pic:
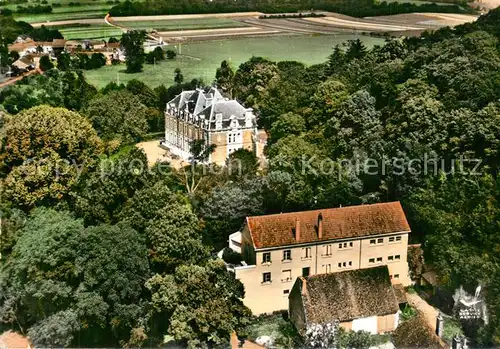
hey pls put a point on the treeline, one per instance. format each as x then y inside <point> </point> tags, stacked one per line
<point>355,8</point>
<point>36,9</point>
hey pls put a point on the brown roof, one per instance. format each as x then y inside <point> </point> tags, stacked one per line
<point>13,340</point>
<point>338,223</point>
<point>348,295</point>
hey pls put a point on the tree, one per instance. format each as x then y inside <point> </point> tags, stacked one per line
<point>287,124</point>
<point>64,61</point>
<point>159,53</point>
<point>112,40</point>
<point>46,63</point>
<point>150,57</point>
<point>132,42</point>
<point>174,237</point>
<point>118,114</point>
<point>251,78</point>
<point>147,96</point>
<point>97,60</point>
<point>178,77</point>
<point>171,54</point>
<point>224,78</point>
<point>43,151</point>
<point>69,285</point>
<point>102,192</point>
<point>202,304</point>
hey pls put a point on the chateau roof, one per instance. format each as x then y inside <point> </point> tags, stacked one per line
<point>338,223</point>
<point>206,105</point>
<point>348,295</point>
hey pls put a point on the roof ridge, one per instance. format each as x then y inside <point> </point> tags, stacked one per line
<point>327,209</point>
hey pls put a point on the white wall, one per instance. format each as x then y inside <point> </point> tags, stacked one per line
<point>368,324</point>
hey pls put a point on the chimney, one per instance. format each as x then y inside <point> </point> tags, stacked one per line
<point>439,325</point>
<point>297,230</point>
<point>304,286</point>
<point>320,226</point>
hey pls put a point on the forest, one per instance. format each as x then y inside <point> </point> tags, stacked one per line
<point>98,249</point>
<point>357,8</point>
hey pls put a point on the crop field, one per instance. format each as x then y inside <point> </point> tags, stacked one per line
<point>89,31</point>
<point>86,9</point>
<point>181,24</point>
<point>201,59</point>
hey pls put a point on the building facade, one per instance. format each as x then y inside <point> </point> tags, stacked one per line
<point>277,249</point>
<point>206,114</point>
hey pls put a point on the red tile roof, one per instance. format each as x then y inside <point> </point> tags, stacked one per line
<point>338,223</point>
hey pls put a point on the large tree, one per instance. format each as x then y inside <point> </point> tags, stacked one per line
<point>202,304</point>
<point>132,42</point>
<point>44,150</point>
<point>118,114</point>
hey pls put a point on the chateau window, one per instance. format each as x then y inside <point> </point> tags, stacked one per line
<point>379,259</point>
<point>397,257</point>
<point>287,255</point>
<point>390,258</point>
<point>371,260</point>
<point>266,278</point>
<point>373,242</point>
<point>266,257</point>
<point>286,275</point>
<point>286,292</point>
<point>391,239</point>
<point>380,241</point>
<point>398,238</point>
<point>306,271</point>
<point>396,276</point>
<point>327,268</point>
<point>306,252</point>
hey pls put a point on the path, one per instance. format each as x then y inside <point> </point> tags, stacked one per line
<point>428,311</point>
<point>17,78</point>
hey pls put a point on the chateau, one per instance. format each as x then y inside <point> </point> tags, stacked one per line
<point>278,249</point>
<point>206,114</point>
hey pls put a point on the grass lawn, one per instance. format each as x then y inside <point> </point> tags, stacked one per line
<point>179,24</point>
<point>201,59</point>
<point>93,31</point>
<point>61,16</point>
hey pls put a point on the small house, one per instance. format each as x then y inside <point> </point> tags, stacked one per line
<point>361,299</point>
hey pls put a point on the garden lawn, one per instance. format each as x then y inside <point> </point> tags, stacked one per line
<point>201,59</point>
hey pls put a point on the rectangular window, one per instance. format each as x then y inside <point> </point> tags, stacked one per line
<point>391,239</point>
<point>339,265</point>
<point>397,257</point>
<point>306,271</point>
<point>372,242</point>
<point>371,260</point>
<point>396,276</point>
<point>350,263</point>
<point>379,259</point>
<point>306,252</point>
<point>340,245</point>
<point>266,277</point>
<point>286,292</point>
<point>398,238</point>
<point>390,258</point>
<point>380,241</point>
<point>286,275</point>
<point>266,257</point>
<point>327,268</point>
<point>287,255</point>
<point>350,244</point>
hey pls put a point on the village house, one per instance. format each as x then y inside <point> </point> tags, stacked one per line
<point>277,249</point>
<point>206,114</point>
<point>361,299</point>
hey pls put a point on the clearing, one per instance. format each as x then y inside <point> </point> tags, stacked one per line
<point>201,59</point>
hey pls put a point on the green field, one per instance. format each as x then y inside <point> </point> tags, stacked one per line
<point>201,59</point>
<point>93,31</point>
<point>86,9</point>
<point>183,24</point>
